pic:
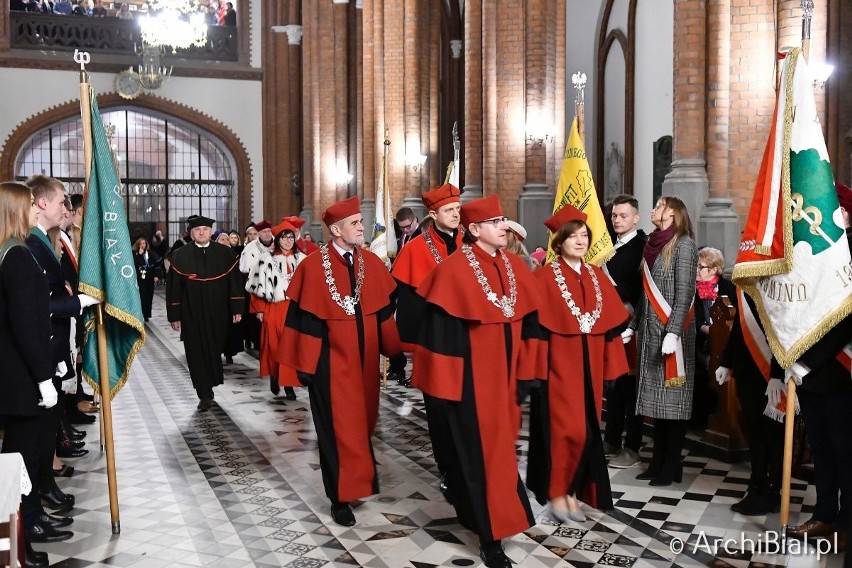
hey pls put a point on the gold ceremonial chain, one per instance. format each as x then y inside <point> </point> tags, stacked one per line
<point>348,303</point>
<point>506,304</point>
<point>586,320</point>
<point>431,246</point>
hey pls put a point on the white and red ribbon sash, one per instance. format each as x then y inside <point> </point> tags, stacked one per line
<point>844,356</point>
<point>69,250</point>
<point>674,362</point>
<point>758,348</point>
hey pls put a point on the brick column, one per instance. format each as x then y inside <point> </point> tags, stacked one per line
<point>688,178</point>
<point>328,103</point>
<point>473,97</point>
<point>717,223</point>
<point>544,55</point>
<point>282,106</point>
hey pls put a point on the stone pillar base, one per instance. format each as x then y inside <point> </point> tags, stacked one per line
<point>719,227</point>
<point>416,205</point>
<point>688,181</point>
<point>368,211</point>
<point>534,206</point>
<point>470,193</point>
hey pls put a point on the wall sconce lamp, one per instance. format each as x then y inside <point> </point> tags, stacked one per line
<point>415,161</point>
<point>821,73</point>
<point>539,133</point>
<point>342,175</point>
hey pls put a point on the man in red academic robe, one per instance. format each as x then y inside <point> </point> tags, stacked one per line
<point>419,257</point>
<point>474,356</point>
<point>340,317</point>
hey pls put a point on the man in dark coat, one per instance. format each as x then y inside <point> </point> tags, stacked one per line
<point>475,357</point>
<point>825,396</point>
<point>340,318</point>
<point>49,196</point>
<point>204,296</point>
<point>621,393</point>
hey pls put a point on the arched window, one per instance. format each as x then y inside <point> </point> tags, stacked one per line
<point>169,169</point>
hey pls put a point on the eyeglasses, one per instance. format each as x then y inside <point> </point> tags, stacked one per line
<point>406,227</point>
<point>703,267</point>
<point>495,222</point>
<point>289,237</point>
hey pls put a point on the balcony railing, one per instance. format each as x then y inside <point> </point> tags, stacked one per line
<point>109,36</point>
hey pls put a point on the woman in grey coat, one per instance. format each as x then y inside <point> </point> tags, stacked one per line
<point>665,324</point>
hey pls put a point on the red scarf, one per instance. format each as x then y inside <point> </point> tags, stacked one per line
<point>708,289</point>
<point>656,241</point>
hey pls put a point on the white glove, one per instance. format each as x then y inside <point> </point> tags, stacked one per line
<point>627,335</point>
<point>798,371</point>
<point>86,301</point>
<point>669,343</point>
<point>61,369</point>
<point>49,396</point>
<point>69,386</point>
<point>723,375</point>
<point>774,390</point>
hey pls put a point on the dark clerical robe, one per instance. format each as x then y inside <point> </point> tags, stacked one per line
<point>204,290</point>
<point>566,454</point>
<point>410,268</point>
<point>471,356</point>
<point>341,353</point>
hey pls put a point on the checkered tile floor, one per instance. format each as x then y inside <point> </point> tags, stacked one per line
<point>240,486</point>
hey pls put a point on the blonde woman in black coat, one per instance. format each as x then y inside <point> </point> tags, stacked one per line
<point>25,330</point>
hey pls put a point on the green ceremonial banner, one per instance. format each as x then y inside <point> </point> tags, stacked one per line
<point>107,270</point>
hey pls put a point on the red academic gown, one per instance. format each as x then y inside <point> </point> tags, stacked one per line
<point>566,453</point>
<point>414,263</point>
<point>341,353</point>
<point>472,356</point>
<point>272,327</point>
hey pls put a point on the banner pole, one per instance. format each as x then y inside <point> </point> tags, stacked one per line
<point>790,417</point>
<point>106,410</point>
<point>787,470</point>
<point>103,366</point>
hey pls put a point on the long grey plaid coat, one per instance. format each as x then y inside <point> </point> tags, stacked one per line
<point>677,286</point>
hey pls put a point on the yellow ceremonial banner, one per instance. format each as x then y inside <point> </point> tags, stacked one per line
<point>577,188</point>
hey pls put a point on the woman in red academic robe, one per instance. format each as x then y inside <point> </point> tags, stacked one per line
<point>268,286</point>
<point>581,323</point>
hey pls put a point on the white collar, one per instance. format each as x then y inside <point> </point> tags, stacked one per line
<point>574,265</point>
<point>624,239</point>
<point>42,229</point>
<point>204,246</point>
<point>342,251</point>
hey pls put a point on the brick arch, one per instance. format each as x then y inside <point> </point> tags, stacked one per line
<point>71,109</point>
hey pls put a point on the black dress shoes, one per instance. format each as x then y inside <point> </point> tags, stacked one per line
<point>77,417</point>
<point>54,521</point>
<point>273,385</point>
<point>56,499</point>
<point>68,452</point>
<point>43,533</point>
<point>206,403</point>
<point>289,393</point>
<point>494,556</point>
<point>399,377</point>
<point>64,471</point>
<point>342,514</point>
<point>34,557</point>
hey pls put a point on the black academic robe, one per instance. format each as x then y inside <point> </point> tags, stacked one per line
<point>470,357</point>
<point>204,292</point>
